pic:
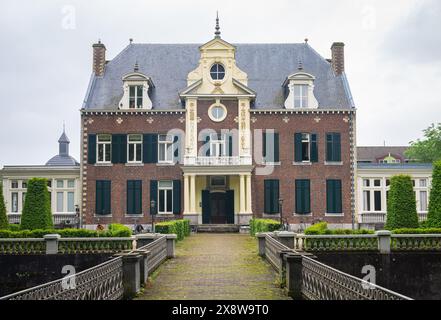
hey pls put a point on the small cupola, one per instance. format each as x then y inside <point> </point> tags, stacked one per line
<point>62,158</point>
<point>137,88</point>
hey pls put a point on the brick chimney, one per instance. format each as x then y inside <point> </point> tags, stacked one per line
<point>99,58</point>
<point>338,57</point>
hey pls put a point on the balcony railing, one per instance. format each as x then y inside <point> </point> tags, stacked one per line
<point>380,217</point>
<point>58,218</point>
<point>217,161</point>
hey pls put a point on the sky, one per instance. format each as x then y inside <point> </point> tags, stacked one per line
<point>393,57</point>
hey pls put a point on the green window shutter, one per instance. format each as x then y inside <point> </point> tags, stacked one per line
<point>130,195</point>
<point>103,196</point>
<point>338,196</point>
<point>298,147</point>
<point>99,197</point>
<point>329,147</point>
<point>176,196</point>
<point>230,144</point>
<point>337,147</point>
<point>276,157</point>
<point>267,196</point>
<point>150,148</point>
<point>264,146</point>
<point>138,197</point>
<point>329,196</point>
<point>134,197</point>
<point>314,148</point>
<point>303,198</point>
<point>91,149</point>
<point>119,148</point>
<point>275,197</point>
<point>154,196</point>
<point>333,196</point>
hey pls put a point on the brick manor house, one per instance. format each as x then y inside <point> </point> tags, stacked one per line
<point>218,133</point>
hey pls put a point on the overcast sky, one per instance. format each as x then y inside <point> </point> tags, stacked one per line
<point>393,57</point>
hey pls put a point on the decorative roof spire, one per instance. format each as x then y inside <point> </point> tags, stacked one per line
<point>63,143</point>
<point>217,32</point>
<point>136,67</point>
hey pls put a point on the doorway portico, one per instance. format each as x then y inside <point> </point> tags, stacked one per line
<point>217,195</point>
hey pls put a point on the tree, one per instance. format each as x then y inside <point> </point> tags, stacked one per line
<point>4,224</point>
<point>401,204</point>
<point>429,149</point>
<point>37,208</point>
<point>434,217</point>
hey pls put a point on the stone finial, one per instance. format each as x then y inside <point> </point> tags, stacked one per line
<point>217,33</point>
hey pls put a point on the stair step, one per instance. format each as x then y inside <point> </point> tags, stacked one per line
<point>218,228</point>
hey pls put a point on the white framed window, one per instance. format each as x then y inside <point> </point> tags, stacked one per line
<point>135,97</point>
<point>165,197</point>
<point>134,148</point>
<point>14,184</point>
<point>165,148</point>
<point>104,145</point>
<point>71,183</point>
<point>60,201</point>
<point>60,184</point>
<point>217,112</point>
<point>14,202</point>
<point>70,202</point>
<point>306,147</point>
<point>217,71</point>
<point>64,195</point>
<point>218,145</point>
<point>301,96</point>
<point>373,195</point>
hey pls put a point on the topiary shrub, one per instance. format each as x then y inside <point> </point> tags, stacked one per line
<point>37,208</point>
<point>434,216</point>
<point>4,223</point>
<point>401,204</point>
<point>179,227</point>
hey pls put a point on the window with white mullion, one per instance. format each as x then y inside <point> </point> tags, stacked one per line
<point>104,145</point>
<point>135,97</point>
<point>306,147</point>
<point>217,145</point>
<point>134,148</point>
<point>165,197</point>
<point>301,96</point>
<point>373,195</point>
<point>165,148</point>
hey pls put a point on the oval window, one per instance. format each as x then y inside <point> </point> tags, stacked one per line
<point>217,113</point>
<point>217,71</point>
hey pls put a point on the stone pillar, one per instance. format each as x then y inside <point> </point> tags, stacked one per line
<point>143,266</point>
<point>242,195</point>
<point>131,274</point>
<point>171,241</point>
<point>249,193</point>
<point>286,238</point>
<point>52,243</point>
<point>384,241</point>
<point>186,195</point>
<point>193,194</point>
<point>261,239</point>
<point>294,275</point>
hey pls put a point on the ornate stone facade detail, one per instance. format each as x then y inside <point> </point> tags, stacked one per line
<point>253,119</point>
<point>346,119</point>
<point>181,119</point>
<point>119,120</point>
<point>317,119</point>
<point>150,120</point>
<point>285,119</point>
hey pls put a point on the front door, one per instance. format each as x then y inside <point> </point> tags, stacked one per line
<point>217,207</point>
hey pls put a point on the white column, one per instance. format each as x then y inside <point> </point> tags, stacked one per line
<point>193,194</point>
<point>186,195</point>
<point>248,182</point>
<point>242,195</point>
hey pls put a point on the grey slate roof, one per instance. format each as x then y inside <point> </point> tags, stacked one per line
<point>374,153</point>
<point>267,66</point>
<point>59,160</point>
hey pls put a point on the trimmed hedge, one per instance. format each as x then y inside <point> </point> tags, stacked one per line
<point>322,229</point>
<point>434,216</point>
<point>4,223</point>
<point>179,227</point>
<point>37,208</point>
<point>263,225</point>
<point>401,204</point>
<point>114,231</point>
<point>417,231</point>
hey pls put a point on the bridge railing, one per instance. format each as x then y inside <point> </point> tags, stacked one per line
<point>306,278</point>
<point>119,278</point>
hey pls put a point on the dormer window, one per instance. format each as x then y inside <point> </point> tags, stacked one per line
<point>135,97</point>
<point>301,96</point>
<point>300,88</point>
<point>137,88</point>
<point>217,72</point>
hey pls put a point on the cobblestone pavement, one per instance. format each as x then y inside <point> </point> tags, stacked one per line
<point>215,267</point>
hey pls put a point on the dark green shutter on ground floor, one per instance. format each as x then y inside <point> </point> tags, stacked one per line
<point>134,197</point>
<point>153,196</point>
<point>334,196</point>
<point>303,197</point>
<point>176,196</point>
<point>271,196</point>
<point>103,196</point>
